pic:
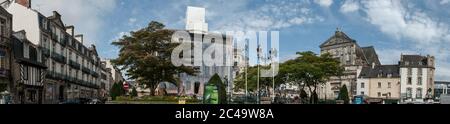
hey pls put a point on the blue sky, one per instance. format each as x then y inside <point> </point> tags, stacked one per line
<point>393,27</point>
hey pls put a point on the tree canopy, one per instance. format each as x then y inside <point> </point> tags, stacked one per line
<point>308,71</point>
<point>145,55</point>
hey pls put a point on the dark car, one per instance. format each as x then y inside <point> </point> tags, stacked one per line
<point>72,101</point>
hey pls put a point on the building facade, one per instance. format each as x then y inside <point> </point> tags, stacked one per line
<point>29,71</point>
<point>72,68</point>
<point>417,78</point>
<point>352,58</point>
<point>116,74</point>
<point>382,81</point>
<point>106,81</point>
<point>197,28</point>
<point>5,50</point>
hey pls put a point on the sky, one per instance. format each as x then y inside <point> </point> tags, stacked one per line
<point>393,27</point>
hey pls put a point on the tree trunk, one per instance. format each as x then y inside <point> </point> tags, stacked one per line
<point>311,95</point>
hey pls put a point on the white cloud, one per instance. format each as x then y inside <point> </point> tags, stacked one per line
<point>395,20</point>
<point>132,21</point>
<point>85,15</point>
<point>349,6</point>
<point>444,2</point>
<point>272,16</point>
<point>324,3</point>
<point>414,28</point>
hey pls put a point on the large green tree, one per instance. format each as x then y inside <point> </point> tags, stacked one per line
<point>308,71</point>
<point>252,78</point>
<point>145,55</point>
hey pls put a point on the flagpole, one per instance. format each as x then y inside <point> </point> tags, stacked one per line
<point>257,78</point>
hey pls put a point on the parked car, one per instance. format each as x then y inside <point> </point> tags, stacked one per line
<point>72,101</point>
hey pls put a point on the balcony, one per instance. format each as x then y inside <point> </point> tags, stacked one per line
<point>74,65</point>
<point>58,57</point>
<point>56,76</point>
<point>86,70</point>
<point>94,74</point>
<point>64,41</point>
<point>45,52</point>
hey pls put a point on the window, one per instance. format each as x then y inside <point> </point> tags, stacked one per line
<point>409,81</point>
<point>38,75</point>
<point>3,29</point>
<point>379,94</point>
<point>419,81</point>
<point>70,72</point>
<point>389,94</point>
<point>70,55</point>
<point>419,93</point>
<point>3,58</point>
<point>62,69</point>
<point>54,66</point>
<point>379,84</point>
<point>419,71</point>
<point>25,72</point>
<point>408,92</point>
<point>54,46</point>
<point>409,71</point>
<point>62,50</point>
<point>362,93</point>
<point>362,85</point>
<point>389,84</point>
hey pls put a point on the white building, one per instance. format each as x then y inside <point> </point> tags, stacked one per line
<point>73,68</point>
<point>195,20</point>
<point>417,78</point>
<point>196,26</point>
<point>116,74</point>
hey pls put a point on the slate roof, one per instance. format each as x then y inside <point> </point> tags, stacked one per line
<point>380,71</point>
<point>370,55</point>
<point>414,61</point>
<point>338,38</point>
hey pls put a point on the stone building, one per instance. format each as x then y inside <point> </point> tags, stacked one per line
<point>352,57</point>
<point>72,67</point>
<point>5,50</point>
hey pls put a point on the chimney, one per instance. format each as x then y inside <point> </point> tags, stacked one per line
<point>79,37</point>
<point>26,3</point>
<point>70,30</point>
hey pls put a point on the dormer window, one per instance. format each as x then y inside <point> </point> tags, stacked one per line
<point>389,75</point>
<point>407,63</point>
